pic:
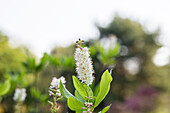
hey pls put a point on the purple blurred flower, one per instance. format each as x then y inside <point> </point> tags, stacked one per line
<point>142,101</point>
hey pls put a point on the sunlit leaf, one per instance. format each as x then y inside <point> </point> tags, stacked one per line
<point>104,87</point>
<point>105,109</point>
<point>74,104</point>
<point>65,93</point>
<point>79,87</point>
<point>79,96</point>
<point>4,88</point>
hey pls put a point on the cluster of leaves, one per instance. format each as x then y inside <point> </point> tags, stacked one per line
<point>10,58</point>
<point>36,68</point>
<point>108,57</point>
<point>105,57</point>
<point>30,64</point>
<point>76,103</point>
<point>11,82</point>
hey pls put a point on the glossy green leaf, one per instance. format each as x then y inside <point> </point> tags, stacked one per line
<point>79,87</point>
<point>74,104</point>
<point>4,88</point>
<point>105,109</point>
<point>104,87</point>
<point>88,89</point>
<point>96,90</point>
<point>64,92</point>
<point>77,95</point>
<point>79,111</point>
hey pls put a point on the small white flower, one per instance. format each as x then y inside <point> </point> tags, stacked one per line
<point>84,65</point>
<point>55,85</point>
<point>55,82</point>
<point>50,93</point>
<point>58,92</point>
<point>19,95</point>
<point>63,80</point>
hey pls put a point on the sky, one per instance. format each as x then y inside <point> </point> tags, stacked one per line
<point>43,24</point>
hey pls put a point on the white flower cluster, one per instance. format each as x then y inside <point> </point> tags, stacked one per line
<point>84,65</point>
<point>55,85</point>
<point>19,95</point>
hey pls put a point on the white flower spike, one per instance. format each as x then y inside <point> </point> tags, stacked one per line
<point>84,65</point>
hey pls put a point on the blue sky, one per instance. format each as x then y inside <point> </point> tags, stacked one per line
<point>44,24</point>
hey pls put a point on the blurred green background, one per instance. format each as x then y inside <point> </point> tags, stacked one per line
<point>139,86</point>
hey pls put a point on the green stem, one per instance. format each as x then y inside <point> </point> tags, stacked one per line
<point>88,92</point>
<point>18,107</point>
<point>36,88</point>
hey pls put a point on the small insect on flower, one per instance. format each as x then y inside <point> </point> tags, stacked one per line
<point>84,65</point>
<point>55,85</point>
<point>19,95</point>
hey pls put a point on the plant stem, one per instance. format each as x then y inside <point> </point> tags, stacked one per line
<point>88,93</point>
<point>18,107</point>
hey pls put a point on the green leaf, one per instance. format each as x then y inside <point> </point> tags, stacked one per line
<point>115,51</point>
<point>92,50</point>
<point>96,90</point>
<point>105,109</point>
<point>104,87</point>
<point>79,96</point>
<point>74,104</point>
<point>43,61</point>
<point>69,62</point>
<point>79,111</point>
<point>64,92</point>
<point>35,93</point>
<point>79,87</point>
<point>5,87</point>
<point>88,89</point>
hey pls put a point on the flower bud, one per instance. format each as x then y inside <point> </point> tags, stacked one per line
<point>77,46</point>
